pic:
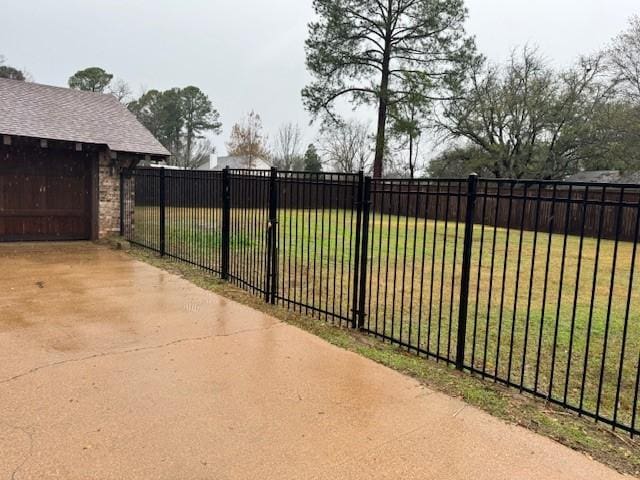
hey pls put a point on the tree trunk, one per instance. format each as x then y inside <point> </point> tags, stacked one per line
<point>378,162</point>
<point>411,164</point>
<point>189,146</point>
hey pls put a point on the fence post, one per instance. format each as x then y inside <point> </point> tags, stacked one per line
<point>271,289</point>
<point>226,222</point>
<point>122,199</point>
<point>472,191</point>
<point>356,265</point>
<point>362,296</point>
<point>162,213</point>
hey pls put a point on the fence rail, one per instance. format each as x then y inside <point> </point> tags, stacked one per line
<point>530,284</point>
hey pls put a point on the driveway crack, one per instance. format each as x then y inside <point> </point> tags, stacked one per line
<point>134,350</point>
<point>375,447</point>
<point>29,452</point>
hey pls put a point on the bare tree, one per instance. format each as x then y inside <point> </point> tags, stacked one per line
<point>624,59</point>
<point>121,90</point>
<point>248,141</point>
<point>288,147</point>
<point>201,152</point>
<point>622,117</point>
<point>529,120</point>
<point>347,146</point>
<point>406,159</point>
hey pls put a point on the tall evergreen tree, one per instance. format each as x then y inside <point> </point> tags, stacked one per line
<point>92,79</point>
<point>178,118</point>
<point>199,116</point>
<point>286,154</point>
<point>312,161</point>
<point>382,51</point>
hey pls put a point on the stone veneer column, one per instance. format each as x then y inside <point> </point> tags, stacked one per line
<point>108,198</point>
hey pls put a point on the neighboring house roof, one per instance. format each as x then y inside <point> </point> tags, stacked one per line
<point>604,176</point>
<point>233,162</point>
<point>55,113</point>
<point>162,165</point>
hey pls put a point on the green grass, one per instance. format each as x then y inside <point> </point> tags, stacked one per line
<point>596,441</point>
<point>413,292</point>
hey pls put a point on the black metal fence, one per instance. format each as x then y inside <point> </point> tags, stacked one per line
<point>530,284</point>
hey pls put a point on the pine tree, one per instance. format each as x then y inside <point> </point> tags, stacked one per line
<point>312,161</point>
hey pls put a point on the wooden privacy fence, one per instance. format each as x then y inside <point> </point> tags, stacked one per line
<point>551,207</point>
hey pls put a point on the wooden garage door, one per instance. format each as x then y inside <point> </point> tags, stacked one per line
<point>44,194</point>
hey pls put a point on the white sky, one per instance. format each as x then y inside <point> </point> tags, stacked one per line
<point>249,54</point>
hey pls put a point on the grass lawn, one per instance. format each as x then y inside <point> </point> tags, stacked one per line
<point>531,309</point>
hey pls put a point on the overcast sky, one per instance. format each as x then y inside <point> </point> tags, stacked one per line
<point>249,54</point>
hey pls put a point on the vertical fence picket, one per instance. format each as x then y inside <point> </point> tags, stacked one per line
<point>356,263</point>
<point>364,252</point>
<point>472,190</point>
<point>225,243</point>
<point>163,212</point>
<point>271,289</point>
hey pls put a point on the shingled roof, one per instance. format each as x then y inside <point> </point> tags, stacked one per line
<point>54,113</point>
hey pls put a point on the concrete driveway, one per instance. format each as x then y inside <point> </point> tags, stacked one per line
<point>113,369</point>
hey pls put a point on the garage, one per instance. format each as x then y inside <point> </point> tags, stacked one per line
<point>62,155</point>
<point>46,194</point>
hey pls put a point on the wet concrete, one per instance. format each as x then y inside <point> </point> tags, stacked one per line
<point>113,369</point>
